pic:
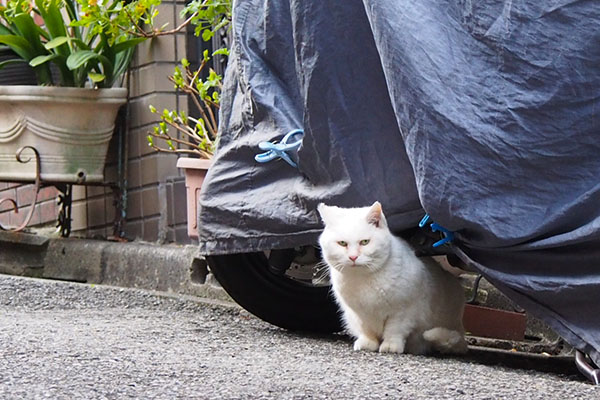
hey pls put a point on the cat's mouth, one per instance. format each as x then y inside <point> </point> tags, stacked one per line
<point>355,265</point>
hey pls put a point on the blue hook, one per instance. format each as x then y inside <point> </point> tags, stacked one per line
<point>424,220</point>
<point>290,142</point>
<point>448,235</point>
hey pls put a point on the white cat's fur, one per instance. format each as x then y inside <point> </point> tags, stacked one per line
<point>391,300</point>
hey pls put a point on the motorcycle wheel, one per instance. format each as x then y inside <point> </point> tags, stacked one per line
<point>275,298</point>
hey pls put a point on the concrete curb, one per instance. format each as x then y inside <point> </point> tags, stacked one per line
<point>166,268</point>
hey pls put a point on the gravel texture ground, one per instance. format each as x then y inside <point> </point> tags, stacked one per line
<point>61,340</point>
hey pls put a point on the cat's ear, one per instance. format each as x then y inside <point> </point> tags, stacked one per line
<point>324,212</point>
<point>375,215</point>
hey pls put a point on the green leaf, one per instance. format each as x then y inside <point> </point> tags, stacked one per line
<point>5,30</point>
<point>126,44</point>
<point>30,32</point>
<point>96,77</point>
<point>79,58</point>
<point>152,109</point>
<point>12,61</point>
<point>221,25</point>
<point>19,45</point>
<point>71,7</point>
<point>122,61</point>
<point>82,62</point>
<point>50,11</point>
<point>59,41</point>
<point>79,43</point>
<point>39,60</point>
<point>207,35</point>
<point>224,51</point>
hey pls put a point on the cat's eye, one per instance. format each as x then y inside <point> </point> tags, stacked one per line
<point>364,242</point>
<point>342,243</point>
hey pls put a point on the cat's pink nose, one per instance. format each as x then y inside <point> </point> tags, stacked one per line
<point>353,258</point>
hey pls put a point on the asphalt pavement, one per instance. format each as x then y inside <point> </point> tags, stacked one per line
<point>61,340</point>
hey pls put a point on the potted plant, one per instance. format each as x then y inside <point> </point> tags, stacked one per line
<point>179,133</point>
<point>79,51</point>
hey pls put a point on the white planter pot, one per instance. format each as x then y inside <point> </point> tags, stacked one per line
<point>69,127</point>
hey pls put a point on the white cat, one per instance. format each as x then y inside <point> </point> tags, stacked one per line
<point>392,301</point>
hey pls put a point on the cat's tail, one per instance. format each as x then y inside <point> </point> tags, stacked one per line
<point>446,340</point>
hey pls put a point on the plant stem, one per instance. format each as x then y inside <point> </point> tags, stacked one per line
<point>194,150</point>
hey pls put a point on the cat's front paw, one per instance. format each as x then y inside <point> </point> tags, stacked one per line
<point>392,346</point>
<point>365,343</point>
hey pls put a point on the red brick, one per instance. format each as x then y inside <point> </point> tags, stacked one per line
<point>134,174</point>
<point>25,195</point>
<point>134,205</point>
<point>4,220</point>
<point>95,191</point>
<point>110,209</point>
<point>96,213</point>
<point>18,218</point>
<point>48,211</point>
<point>7,194</point>
<point>78,193</point>
<point>180,203</point>
<point>133,145</point>
<point>151,230</point>
<point>47,193</point>
<point>79,216</point>
<point>133,229</point>
<point>150,203</point>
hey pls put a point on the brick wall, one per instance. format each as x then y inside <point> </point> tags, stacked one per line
<point>45,211</point>
<point>155,196</point>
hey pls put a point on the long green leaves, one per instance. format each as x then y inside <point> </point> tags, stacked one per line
<point>85,40</point>
<point>19,45</point>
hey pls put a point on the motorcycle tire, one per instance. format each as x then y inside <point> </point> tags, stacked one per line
<point>275,298</point>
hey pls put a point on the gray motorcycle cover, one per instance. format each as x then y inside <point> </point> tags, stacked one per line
<point>485,114</point>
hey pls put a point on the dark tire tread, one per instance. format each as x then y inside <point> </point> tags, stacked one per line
<point>276,299</point>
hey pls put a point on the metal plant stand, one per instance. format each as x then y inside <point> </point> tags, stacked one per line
<point>65,198</point>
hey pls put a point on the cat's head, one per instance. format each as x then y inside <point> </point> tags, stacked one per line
<point>354,237</point>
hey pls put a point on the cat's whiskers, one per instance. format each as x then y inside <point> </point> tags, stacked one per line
<point>321,272</point>
<point>339,266</point>
<point>370,266</point>
<point>319,279</point>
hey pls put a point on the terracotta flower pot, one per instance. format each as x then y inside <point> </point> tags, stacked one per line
<point>195,171</point>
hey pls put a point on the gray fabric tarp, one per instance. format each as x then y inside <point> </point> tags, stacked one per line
<point>483,114</point>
